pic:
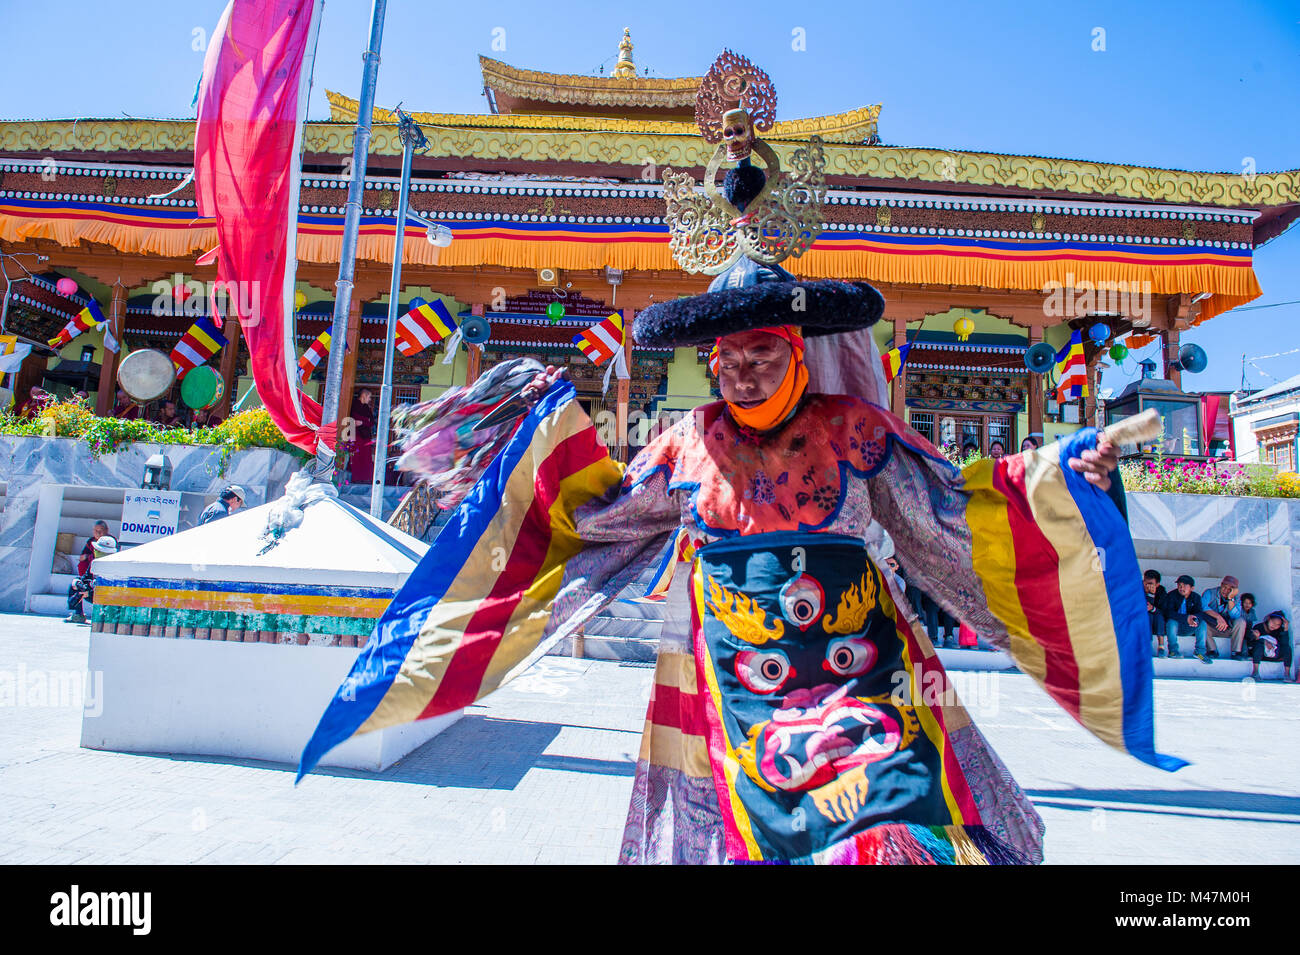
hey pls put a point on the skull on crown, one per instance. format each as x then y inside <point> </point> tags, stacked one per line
<point>738,134</point>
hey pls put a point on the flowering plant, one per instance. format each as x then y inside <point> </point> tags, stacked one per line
<point>1229,478</point>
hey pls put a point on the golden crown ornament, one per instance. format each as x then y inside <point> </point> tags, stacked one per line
<point>708,231</point>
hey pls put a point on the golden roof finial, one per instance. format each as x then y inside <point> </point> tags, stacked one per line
<point>625,69</point>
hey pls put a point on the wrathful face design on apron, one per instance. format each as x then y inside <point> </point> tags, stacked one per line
<point>811,738</point>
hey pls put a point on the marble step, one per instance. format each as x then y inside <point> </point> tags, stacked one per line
<point>604,626</point>
<point>624,649</point>
<point>635,610</point>
<point>95,495</point>
<point>50,605</point>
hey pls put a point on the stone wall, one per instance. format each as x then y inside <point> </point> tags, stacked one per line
<point>27,464</point>
<point>1241,523</point>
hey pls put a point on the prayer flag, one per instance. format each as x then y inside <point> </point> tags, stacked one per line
<point>196,346</point>
<point>600,342</point>
<point>422,326</point>
<point>1071,370</point>
<point>313,356</point>
<point>83,321</point>
<point>894,359</point>
<point>12,354</point>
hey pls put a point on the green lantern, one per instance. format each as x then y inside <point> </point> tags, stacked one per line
<point>1118,352</point>
<point>555,311</point>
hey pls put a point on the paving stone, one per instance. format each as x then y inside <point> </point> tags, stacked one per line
<point>541,772</point>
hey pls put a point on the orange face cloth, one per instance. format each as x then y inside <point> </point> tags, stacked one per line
<point>782,402</point>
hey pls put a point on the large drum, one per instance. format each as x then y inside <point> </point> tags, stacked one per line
<point>146,374</point>
<point>202,387</point>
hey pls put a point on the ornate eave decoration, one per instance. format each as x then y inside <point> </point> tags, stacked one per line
<point>498,138</point>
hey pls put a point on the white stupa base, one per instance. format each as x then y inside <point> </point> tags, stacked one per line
<point>245,700</point>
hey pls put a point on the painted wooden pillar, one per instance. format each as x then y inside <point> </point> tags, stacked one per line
<point>474,362</point>
<point>625,385</point>
<point>1090,402</point>
<point>350,360</point>
<point>104,398</point>
<point>229,362</point>
<point>1170,349</point>
<point>898,397</point>
<point>1036,383</point>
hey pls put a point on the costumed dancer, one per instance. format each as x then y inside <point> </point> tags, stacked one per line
<point>796,714</point>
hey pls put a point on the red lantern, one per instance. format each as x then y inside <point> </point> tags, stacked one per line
<point>66,287</point>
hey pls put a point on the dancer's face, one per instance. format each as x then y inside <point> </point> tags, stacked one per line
<point>751,366</point>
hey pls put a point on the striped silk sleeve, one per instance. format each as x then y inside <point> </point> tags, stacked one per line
<point>1038,560</point>
<point>622,534</point>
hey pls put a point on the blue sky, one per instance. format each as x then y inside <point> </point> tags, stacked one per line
<point>1191,85</point>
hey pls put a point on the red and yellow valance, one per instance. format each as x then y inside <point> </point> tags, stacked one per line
<point>1031,264</point>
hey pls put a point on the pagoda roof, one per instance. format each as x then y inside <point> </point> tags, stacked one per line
<point>515,90</point>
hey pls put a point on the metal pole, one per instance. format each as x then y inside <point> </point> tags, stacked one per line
<point>324,470</point>
<point>411,138</point>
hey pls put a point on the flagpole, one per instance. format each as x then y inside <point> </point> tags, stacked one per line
<point>324,469</point>
<point>412,139</point>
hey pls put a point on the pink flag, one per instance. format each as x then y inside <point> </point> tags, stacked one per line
<point>246,170</point>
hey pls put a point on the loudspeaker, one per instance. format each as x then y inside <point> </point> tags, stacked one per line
<point>1191,358</point>
<point>1040,358</point>
<point>476,330</point>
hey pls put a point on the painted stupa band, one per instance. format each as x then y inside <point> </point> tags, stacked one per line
<point>329,615</point>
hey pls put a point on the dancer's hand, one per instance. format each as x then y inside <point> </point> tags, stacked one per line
<point>541,383</point>
<point>1096,465</point>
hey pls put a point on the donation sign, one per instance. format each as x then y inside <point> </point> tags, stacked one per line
<point>149,515</point>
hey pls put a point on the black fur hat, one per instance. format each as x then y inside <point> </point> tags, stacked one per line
<point>751,295</point>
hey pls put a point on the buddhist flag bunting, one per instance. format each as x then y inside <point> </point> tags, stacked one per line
<point>422,326</point>
<point>713,361</point>
<point>1071,370</point>
<point>196,346</point>
<point>894,359</point>
<point>312,357</point>
<point>601,342</point>
<point>83,321</point>
<point>467,621</point>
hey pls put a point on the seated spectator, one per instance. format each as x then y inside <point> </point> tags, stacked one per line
<point>1155,599</point>
<point>1271,640</point>
<point>82,590</point>
<point>1223,611</point>
<point>88,552</point>
<point>1248,613</point>
<point>124,407</point>
<point>969,449</point>
<point>1031,443</point>
<point>37,399</point>
<point>996,450</point>
<point>1182,613</point>
<point>169,416</point>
